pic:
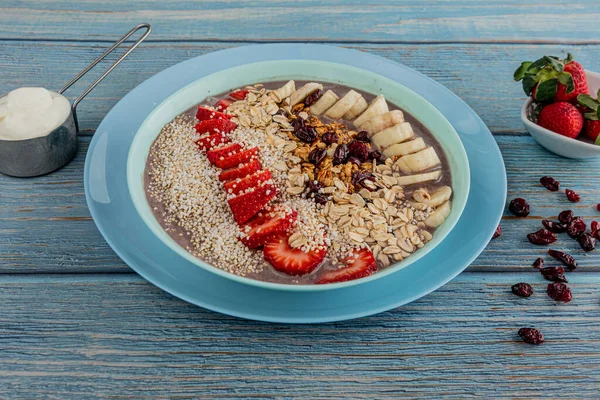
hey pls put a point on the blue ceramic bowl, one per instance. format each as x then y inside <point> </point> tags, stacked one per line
<point>240,76</point>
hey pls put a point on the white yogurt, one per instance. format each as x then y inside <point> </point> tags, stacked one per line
<point>31,112</point>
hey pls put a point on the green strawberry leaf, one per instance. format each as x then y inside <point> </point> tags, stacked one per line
<point>521,71</point>
<point>541,63</point>
<point>588,101</point>
<point>546,90</point>
<point>592,116</point>
<point>529,83</point>
<point>557,65</point>
<point>569,58</point>
<point>570,85</point>
<point>564,78</point>
<point>598,95</point>
<point>598,113</point>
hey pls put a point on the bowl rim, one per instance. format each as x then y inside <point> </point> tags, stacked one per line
<point>556,136</point>
<point>458,153</point>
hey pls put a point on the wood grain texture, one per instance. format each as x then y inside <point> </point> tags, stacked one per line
<point>107,335</point>
<point>481,75</point>
<point>45,225</point>
<point>308,20</point>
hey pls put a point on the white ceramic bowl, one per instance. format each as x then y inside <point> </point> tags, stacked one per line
<point>562,145</point>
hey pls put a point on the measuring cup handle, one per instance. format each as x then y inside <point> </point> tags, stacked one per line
<point>147,27</point>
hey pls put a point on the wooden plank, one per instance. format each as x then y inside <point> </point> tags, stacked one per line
<point>120,336</point>
<point>481,75</point>
<point>308,20</point>
<point>45,225</point>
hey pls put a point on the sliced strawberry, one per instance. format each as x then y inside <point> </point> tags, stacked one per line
<point>215,126</point>
<point>240,171</point>
<point>239,94</point>
<point>222,104</point>
<point>205,113</point>
<point>360,263</point>
<point>238,186</point>
<point>247,205</point>
<point>237,158</point>
<point>210,141</point>
<point>283,258</point>
<point>217,154</point>
<point>265,226</point>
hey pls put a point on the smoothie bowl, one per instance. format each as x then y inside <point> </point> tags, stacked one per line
<point>298,175</point>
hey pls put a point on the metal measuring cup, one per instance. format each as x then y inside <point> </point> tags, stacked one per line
<point>45,154</point>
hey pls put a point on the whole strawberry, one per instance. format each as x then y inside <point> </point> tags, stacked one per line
<point>551,79</point>
<point>562,117</point>
<point>591,114</point>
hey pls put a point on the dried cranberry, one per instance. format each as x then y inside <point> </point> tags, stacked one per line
<point>565,217</point>
<point>375,155</point>
<point>598,206</point>
<point>565,258</point>
<point>359,150</point>
<point>554,274</point>
<point>538,263</point>
<point>354,160</point>
<point>542,237</point>
<point>576,227</point>
<point>522,289</point>
<point>341,154</point>
<point>587,242</point>
<point>497,232</point>
<point>531,335</point>
<point>314,186</point>
<point>572,196</point>
<point>519,207</point>
<point>359,177</point>
<point>595,227</point>
<point>550,183</point>
<point>554,227</point>
<point>329,138</point>
<point>307,134</point>
<point>559,291</point>
<point>363,136</point>
<point>297,123</point>
<point>320,198</point>
<point>313,97</point>
<point>317,155</point>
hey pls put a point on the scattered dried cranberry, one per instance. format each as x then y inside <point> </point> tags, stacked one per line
<point>354,160</point>
<point>307,134</point>
<point>297,123</point>
<point>314,186</point>
<point>559,291</point>
<point>542,237</point>
<point>522,289</point>
<point>554,227</point>
<point>538,263</point>
<point>554,274</point>
<point>565,258</point>
<point>359,177</point>
<point>317,155</point>
<point>320,198</point>
<point>329,138</point>
<point>313,97</point>
<point>359,150</point>
<point>595,227</point>
<point>531,335</point>
<point>341,154</point>
<point>550,183</point>
<point>576,227</point>
<point>363,136</point>
<point>375,155</point>
<point>587,242</point>
<point>565,217</point>
<point>572,196</point>
<point>598,206</point>
<point>519,207</point>
<point>497,232</point>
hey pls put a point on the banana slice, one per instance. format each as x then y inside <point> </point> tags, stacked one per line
<point>283,92</point>
<point>383,121</point>
<point>420,178</point>
<point>377,107</point>
<point>417,162</point>
<point>438,217</point>
<point>358,108</point>
<point>439,196</point>
<point>300,94</point>
<point>328,99</point>
<point>402,149</point>
<point>396,134</point>
<point>344,105</point>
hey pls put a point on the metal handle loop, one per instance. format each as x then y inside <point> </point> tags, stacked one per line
<point>108,71</point>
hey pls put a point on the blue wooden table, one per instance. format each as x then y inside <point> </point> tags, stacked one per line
<point>76,322</point>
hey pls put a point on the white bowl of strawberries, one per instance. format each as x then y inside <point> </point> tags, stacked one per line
<point>562,113</point>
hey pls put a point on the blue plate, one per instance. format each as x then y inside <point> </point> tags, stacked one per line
<point>113,211</point>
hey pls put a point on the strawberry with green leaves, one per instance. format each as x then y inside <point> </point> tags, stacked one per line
<point>591,107</point>
<point>551,79</point>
